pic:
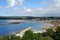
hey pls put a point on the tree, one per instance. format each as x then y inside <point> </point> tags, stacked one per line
<point>28,35</point>
<point>58,29</point>
<point>47,38</point>
<point>38,36</point>
<point>49,32</point>
<point>57,36</point>
<point>13,37</point>
<point>5,37</point>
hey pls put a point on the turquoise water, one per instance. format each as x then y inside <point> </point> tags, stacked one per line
<point>5,29</point>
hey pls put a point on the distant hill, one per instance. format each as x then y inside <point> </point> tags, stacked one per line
<point>28,17</point>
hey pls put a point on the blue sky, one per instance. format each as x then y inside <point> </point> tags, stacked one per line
<point>31,3</point>
<point>3,2</point>
<point>29,7</point>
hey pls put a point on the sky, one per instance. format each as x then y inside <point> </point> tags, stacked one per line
<point>30,8</point>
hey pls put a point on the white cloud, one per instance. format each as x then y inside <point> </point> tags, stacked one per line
<point>12,3</point>
<point>19,2</point>
<point>57,3</point>
<point>28,10</point>
<point>53,10</point>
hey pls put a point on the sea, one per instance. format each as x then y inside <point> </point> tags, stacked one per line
<point>7,28</point>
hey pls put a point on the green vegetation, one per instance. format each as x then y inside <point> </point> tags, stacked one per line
<point>29,35</point>
<point>28,18</point>
<point>17,17</point>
